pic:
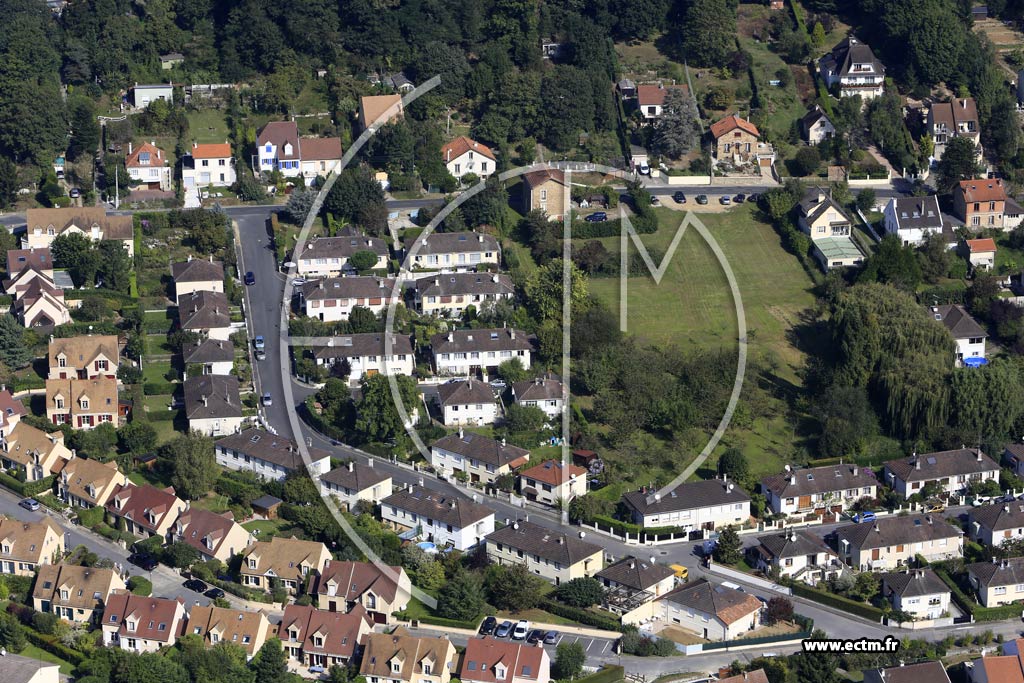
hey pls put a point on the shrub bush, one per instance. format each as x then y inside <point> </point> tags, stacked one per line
<point>139,585</point>
<point>581,616</point>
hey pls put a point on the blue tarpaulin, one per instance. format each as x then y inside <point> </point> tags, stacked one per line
<point>975,361</point>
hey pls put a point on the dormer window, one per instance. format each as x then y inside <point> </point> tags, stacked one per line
<point>397,668</point>
<point>426,669</point>
<point>144,158</point>
<point>84,403</point>
<point>62,362</point>
<point>63,594</point>
<point>318,641</point>
<point>59,403</point>
<point>252,563</point>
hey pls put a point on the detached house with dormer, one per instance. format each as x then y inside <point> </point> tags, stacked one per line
<point>950,472</point>
<point>147,166</point>
<point>965,330</point>
<point>142,624</point>
<point>955,119</point>
<point>35,452</point>
<point>464,156</point>
<point>833,487</point>
<point>912,219</point>
<point>444,520</point>
<point>26,546</point>
<point>293,562</point>
<point>318,638</point>
<point>83,357</point>
<point>145,510</point>
<point>215,537</point>
<point>82,403</point>
<point>45,225</point>
<point>491,660</point>
<point>852,69</point>
<point>277,148</point>
<point>345,585</point>
<point>88,483</point>
<point>73,593</point>
<point>553,555</point>
<point>830,229</point>
<point>245,628</point>
<point>399,657</point>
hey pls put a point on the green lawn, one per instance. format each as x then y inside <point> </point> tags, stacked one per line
<point>155,371</point>
<point>158,403</point>
<point>35,652</point>
<point>157,344</point>
<point>266,527</point>
<point>213,502</point>
<point>208,126</point>
<point>165,431</point>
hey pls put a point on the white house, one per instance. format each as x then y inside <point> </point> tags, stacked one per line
<point>852,69</point>
<point>438,518</point>
<point>993,525</point>
<point>708,504</point>
<point>143,95</point>
<point>141,624</point>
<point>449,294</point>
<point>208,165</point>
<point>464,156</point>
<point>482,458</point>
<point>950,472</point>
<point>215,356</point>
<point>912,218</point>
<point>366,354</point>
<point>918,592</point>
<point>554,555</point>
<point>456,251</point>
<point>277,148</point>
<point>328,256</point>
<point>969,335</point>
<point>816,126</point>
<point>213,404</point>
<point>818,488</point>
<point>467,403</point>
<point>332,299</point>
<point>710,611</point>
<point>465,352</point>
<point>196,275</point>
<point>650,99</point>
<point>147,165</point>
<point>797,554</point>
<point>551,482</point>
<point>270,456</point>
<point>998,582</point>
<point>542,392</point>
<point>892,542</point>
<point>354,482</point>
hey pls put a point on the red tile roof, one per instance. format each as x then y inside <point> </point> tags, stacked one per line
<point>553,472</point>
<point>318,149</point>
<point>154,617</point>
<point>340,630</point>
<point>654,95</point>
<point>204,530</point>
<point>981,245</point>
<point>983,190</point>
<point>157,157</point>
<point>137,501</point>
<point>355,579</point>
<point>211,151</point>
<point>731,122</point>
<point>482,655</point>
<point>460,145</point>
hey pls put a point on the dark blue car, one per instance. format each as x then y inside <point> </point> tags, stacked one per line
<point>250,278</point>
<point>597,217</point>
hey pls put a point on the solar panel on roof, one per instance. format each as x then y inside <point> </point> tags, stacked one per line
<point>931,461</point>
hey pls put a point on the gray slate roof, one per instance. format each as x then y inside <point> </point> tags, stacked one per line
<point>457,243</point>
<point>209,351</point>
<point>848,52</point>
<point>548,544</point>
<point>925,672</point>
<point>278,450</point>
<point>815,480</point>
<point>793,544</point>
<point>928,466</point>
<point>481,448</point>
<point>483,340</point>
<point>458,511</point>
<point>342,247</point>
<point>1002,573</point>
<point>18,669</point>
<point>728,604</point>
<point>458,284</point>
<point>689,496</point>
<point>813,116</point>
<point>364,344</point>
<point>635,573</point>
<point>914,583</point>
<point>361,287</point>
<point>197,270</point>
<point>817,201</point>
<point>540,389</point>
<point>359,478</point>
<point>918,213</point>
<point>204,311</point>
<point>900,530</point>
<point>465,392</point>
<point>958,321</point>
<point>220,393</point>
<point>999,516</point>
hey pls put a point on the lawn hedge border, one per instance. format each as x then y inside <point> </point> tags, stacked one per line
<point>581,616</point>
<point>831,599</point>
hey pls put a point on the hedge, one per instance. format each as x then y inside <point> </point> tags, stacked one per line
<point>25,383</point>
<point>36,487</point>
<point>241,591</point>
<point>859,608</point>
<point>140,585</point>
<point>609,674</point>
<point>581,616</point>
<point>6,300</point>
<point>83,329</point>
<point>163,415</point>
<point>54,647</point>
<point>439,621</point>
<point>12,483</point>
<point>630,528</point>
<point>968,605</point>
<point>159,388</point>
<point>75,294</point>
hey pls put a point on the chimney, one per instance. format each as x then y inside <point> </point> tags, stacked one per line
<point>205,401</point>
<point>369,463</point>
<point>480,238</point>
<point>494,278</point>
<point>195,145</point>
<point>792,480</point>
<point>917,463</point>
<point>451,337</point>
<point>512,334</point>
<point>129,147</point>
<point>502,442</point>
<point>855,470</point>
<point>963,104</point>
<point>460,432</point>
<point>437,282</point>
<point>190,258</point>
<point>979,455</point>
<point>351,466</point>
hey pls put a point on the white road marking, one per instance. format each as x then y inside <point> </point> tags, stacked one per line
<point>590,644</point>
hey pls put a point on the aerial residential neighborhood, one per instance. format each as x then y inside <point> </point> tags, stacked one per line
<point>666,341</point>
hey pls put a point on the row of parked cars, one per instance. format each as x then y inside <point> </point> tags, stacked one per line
<point>518,631</point>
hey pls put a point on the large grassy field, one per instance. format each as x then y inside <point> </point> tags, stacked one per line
<point>693,308</point>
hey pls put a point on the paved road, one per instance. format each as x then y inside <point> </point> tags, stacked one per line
<point>166,582</point>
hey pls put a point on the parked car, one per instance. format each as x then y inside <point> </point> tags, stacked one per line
<point>935,506</point>
<point>866,516</point>
<point>143,561</point>
<point>740,198</point>
<point>981,500</point>
<point>644,169</point>
<point>214,593</point>
<point>250,278</point>
<point>488,625</point>
<point>536,635</point>
<point>299,281</point>
<point>259,342</point>
<point>196,585</point>
<point>725,200</point>
<point>597,217</point>
<point>499,384</point>
<point>504,629</point>
<point>268,400</point>
<point>261,354</point>
<point>702,199</point>
<point>75,193</point>
<point>680,571</point>
<point>551,637</point>
<point>679,198</point>
<point>30,504</point>
<point>754,197</point>
<point>522,628</point>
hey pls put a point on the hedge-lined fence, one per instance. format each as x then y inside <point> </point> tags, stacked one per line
<point>438,621</point>
<point>27,488</point>
<point>861,609</point>
<point>581,616</point>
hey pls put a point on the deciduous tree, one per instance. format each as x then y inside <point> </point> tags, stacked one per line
<point>195,465</point>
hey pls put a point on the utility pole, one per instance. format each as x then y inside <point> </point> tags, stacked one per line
<point>117,189</point>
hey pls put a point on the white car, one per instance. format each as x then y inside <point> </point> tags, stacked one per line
<point>268,399</point>
<point>644,169</point>
<point>521,629</point>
